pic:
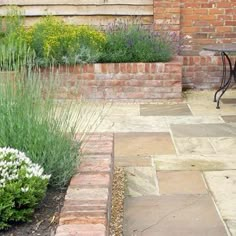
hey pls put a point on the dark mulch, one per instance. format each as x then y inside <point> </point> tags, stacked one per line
<point>45,219</point>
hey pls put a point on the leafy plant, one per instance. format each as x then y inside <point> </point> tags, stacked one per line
<point>135,43</point>
<point>22,186</point>
<point>59,43</point>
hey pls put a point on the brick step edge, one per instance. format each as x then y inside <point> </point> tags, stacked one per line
<point>87,205</point>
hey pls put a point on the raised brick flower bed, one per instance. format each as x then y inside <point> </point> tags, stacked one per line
<point>124,81</point>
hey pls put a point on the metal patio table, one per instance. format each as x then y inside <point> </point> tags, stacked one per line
<point>224,50</point>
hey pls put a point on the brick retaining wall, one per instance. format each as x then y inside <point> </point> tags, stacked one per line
<point>124,81</point>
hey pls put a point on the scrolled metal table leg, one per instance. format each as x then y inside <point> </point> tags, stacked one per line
<point>223,76</point>
<point>225,83</point>
<point>235,71</point>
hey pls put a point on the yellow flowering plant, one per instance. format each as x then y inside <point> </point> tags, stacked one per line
<point>56,42</point>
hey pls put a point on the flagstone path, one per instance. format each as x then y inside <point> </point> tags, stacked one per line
<point>180,162</point>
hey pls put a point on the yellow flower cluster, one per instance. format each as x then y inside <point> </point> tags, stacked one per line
<point>58,38</point>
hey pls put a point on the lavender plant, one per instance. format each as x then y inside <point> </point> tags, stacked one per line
<point>135,43</point>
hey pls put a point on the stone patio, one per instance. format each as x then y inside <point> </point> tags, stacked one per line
<point>180,161</point>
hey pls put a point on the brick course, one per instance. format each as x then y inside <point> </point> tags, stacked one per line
<point>87,205</point>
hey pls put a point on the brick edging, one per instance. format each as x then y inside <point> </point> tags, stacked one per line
<point>87,205</point>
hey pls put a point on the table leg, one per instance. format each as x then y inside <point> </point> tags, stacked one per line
<point>225,83</point>
<point>235,71</point>
<point>223,76</point>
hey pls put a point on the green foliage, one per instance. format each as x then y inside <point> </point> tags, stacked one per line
<point>52,42</point>
<point>134,43</point>
<point>59,43</point>
<point>14,50</point>
<point>29,123</point>
<point>22,186</point>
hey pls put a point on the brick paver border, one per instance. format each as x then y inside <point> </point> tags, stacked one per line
<point>87,205</point>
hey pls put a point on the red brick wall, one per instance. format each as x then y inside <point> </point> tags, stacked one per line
<point>199,23</point>
<point>167,15</point>
<point>207,22</point>
<point>202,72</point>
<point>137,81</point>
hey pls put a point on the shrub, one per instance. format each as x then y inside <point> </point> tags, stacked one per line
<point>22,187</point>
<point>134,43</point>
<point>59,43</point>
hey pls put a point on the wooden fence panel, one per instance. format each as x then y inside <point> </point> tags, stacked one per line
<point>93,12</point>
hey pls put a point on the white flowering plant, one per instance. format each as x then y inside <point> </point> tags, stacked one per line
<point>22,186</point>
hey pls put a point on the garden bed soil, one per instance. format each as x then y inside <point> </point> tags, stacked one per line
<point>45,220</point>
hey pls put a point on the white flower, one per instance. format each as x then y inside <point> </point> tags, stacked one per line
<point>12,162</point>
<point>24,190</point>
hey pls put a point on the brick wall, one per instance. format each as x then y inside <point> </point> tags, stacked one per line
<point>167,15</point>
<point>202,72</point>
<point>198,23</point>
<point>137,81</point>
<point>207,22</point>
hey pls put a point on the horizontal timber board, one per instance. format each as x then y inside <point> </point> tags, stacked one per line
<point>95,20</point>
<point>66,10</point>
<point>75,2</point>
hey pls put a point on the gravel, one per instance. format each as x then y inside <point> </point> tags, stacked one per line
<point>118,195</point>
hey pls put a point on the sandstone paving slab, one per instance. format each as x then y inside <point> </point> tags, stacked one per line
<point>133,124</point>
<point>224,145</point>
<point>195,162</point>
<point>231,224</point>
<point>181,182</point>
<point>142,144</point>
<point>141,181</point>
<point>204,130</point>
<point>210,109</point>
<point>205,97</point>
<point>126,161</point>
<point>229,119</point>
<point>194,146</point>
<point>228,100</point>
<point>165,110</point>
<point>123,109</point>
<point>222,184</point>
<point>172,215</point>
<point>194,120</point>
